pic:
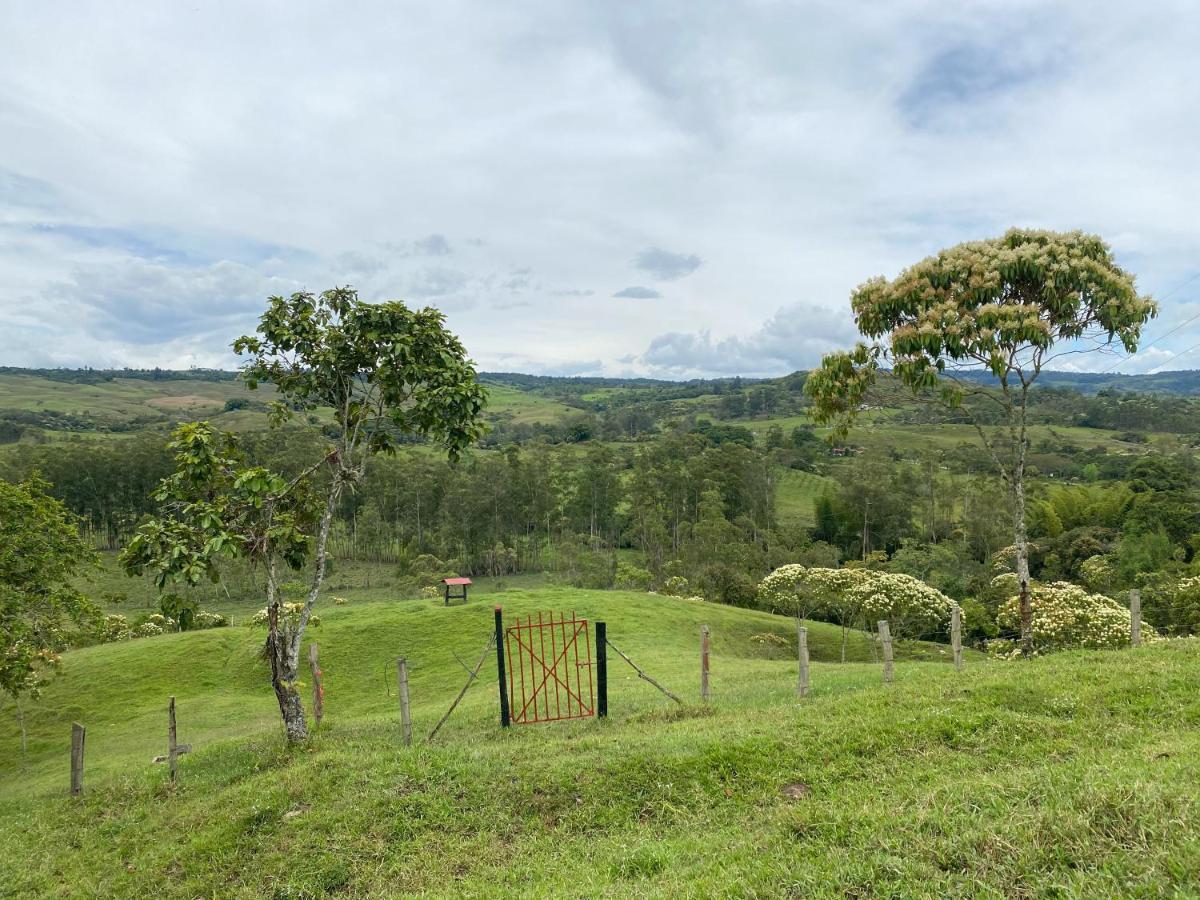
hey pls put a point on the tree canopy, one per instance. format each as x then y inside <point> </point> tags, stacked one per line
<point>1005,307</point>
<point>40,554</point>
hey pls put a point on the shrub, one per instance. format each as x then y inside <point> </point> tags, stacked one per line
<point>1185,606</point>
<point>675,586</point>
<point>205,619</point>
<point>1066,616</point>
<point>849,595</point>
<point>290,617</point>
<point>632,578</point>
<point>114,628</point>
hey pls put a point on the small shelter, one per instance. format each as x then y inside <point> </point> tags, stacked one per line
<point>448,583</point>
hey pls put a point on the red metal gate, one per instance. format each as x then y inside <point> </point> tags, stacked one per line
<point>549,669</point>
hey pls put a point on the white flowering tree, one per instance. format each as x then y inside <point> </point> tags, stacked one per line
<point>1067,616</point>
<point>850,596</point>
<point>805,591</point>
<point>909,604</point>
<point>974,327</point>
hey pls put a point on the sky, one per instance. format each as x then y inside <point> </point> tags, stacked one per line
<point>672,189</point>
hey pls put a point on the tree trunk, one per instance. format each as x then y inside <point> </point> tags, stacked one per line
<point>1022,545</point>
<point>284,674</point>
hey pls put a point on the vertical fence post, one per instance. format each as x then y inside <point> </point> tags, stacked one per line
<point>405,715</point>
<point>318,688</point>
<point>704,663</point>
<point>956,635</point>
<point>885,638</point>
<point>172,745</point>
<point>77,735</point>
<point>1135,617</point>
<point>602,670</point>
<point>802,651</point>
<point>500,674</point>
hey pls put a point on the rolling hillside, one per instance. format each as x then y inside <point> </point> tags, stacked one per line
<point>983,783</point>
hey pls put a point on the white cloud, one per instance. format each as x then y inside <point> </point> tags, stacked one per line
<point>510,162</point>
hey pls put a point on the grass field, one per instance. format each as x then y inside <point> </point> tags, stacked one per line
<point>796,493</point>
<point>123,402</point>
<point>989,783</point>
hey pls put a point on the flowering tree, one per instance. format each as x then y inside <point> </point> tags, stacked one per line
<point>847,596</point>
<point>1067,616</point>
<point>802,591</point>
<point>999,308</point>
<point>909,604</point>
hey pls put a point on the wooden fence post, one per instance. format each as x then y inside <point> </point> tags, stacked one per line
<point>318,688</point>
<point>77,735</point>
<point>802,650</point>
<point>405,716</point>
<point>885,638</point>
<point>1135,618</point>
<point>704,663</point>
<point>956,636</point>
<point>174,748</point>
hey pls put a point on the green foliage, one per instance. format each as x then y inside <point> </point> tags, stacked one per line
<point>1066,616</point>
<point>40,554</point>
<point>214,509</point>
<point>632,578</point>
<point>384,370</point>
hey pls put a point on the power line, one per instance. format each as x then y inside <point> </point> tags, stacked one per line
<point>1144,347</point>
<point>1174,356</point>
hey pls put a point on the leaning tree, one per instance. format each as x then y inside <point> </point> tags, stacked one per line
<point>972,328</point>
<point>378,373</point>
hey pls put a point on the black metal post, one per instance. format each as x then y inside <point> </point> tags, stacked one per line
<point>500,674</point>
<point>602,670</point>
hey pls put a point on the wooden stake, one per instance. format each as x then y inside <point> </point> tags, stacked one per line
<point>77,735</point>
<point>172,747</point>
<point>704,693</point>
<point>405,716</point>
<point>318,687</point>
<point>956,636</point>
<point>885,638</point>
<point>802,651</point>
<point>1135,617</point>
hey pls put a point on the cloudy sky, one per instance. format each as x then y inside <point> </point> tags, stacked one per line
<point>666,188</point>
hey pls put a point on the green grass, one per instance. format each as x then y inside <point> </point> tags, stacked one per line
<point>1069,776</point>
<point>522,407</point>
<point>796,494</point>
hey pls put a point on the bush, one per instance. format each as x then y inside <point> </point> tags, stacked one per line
<point>204,619</point>
<point>289,619</point>
<point>114,628</point>
<point>633,578</point>
<point>1066,616</point>
<point>675,586</point>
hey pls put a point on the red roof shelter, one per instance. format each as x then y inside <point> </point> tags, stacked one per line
<point>456,582</point>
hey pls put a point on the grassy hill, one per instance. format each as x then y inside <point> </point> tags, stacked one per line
<point>987,783</point>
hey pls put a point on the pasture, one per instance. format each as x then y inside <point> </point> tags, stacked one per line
<point>987,782</point>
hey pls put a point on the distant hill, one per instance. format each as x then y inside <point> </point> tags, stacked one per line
<point>1184,383</point>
